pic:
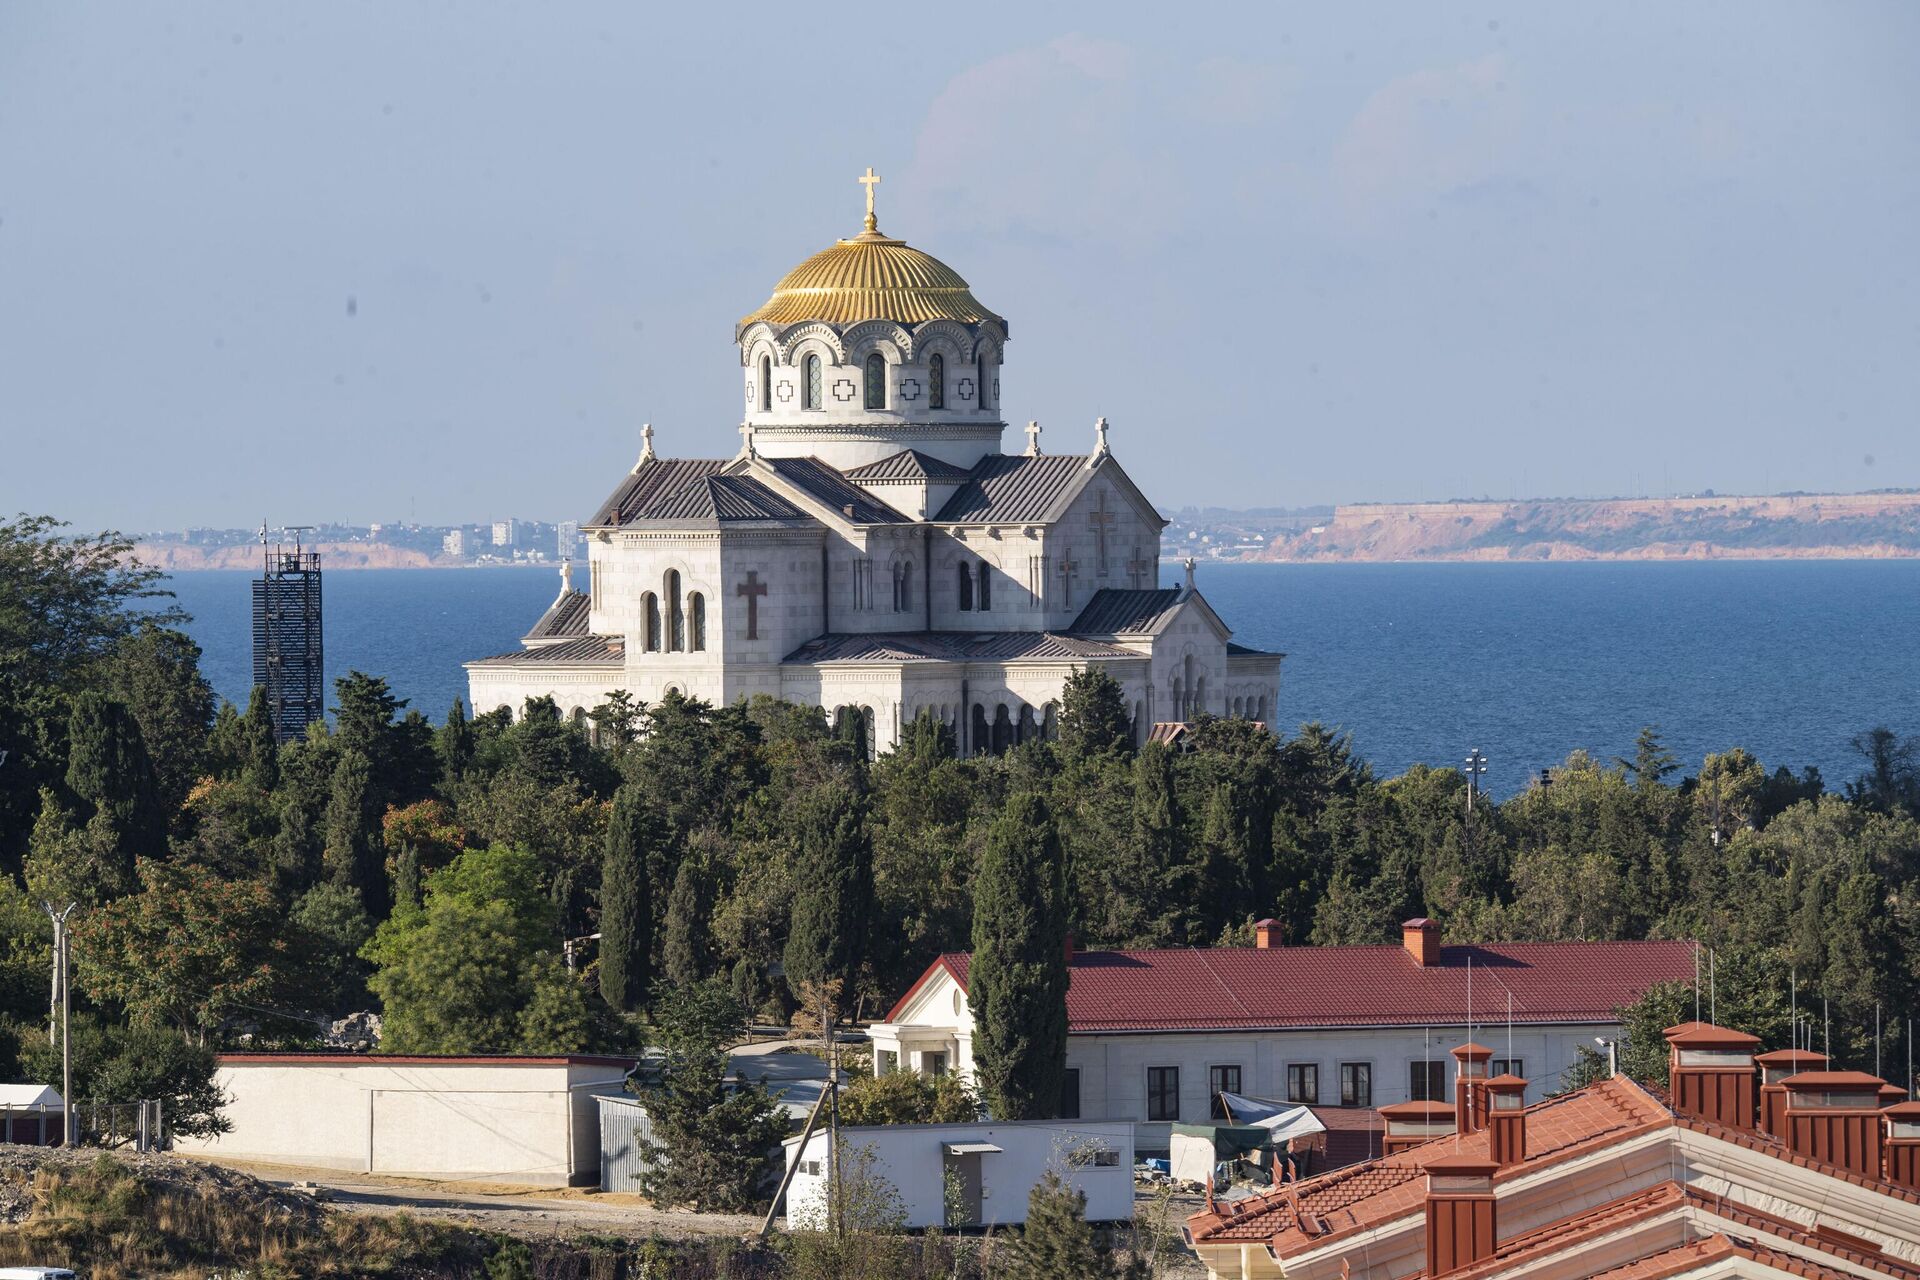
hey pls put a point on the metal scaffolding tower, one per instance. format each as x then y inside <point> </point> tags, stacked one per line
<point>286,635</point>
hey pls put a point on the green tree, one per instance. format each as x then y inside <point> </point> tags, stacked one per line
<point>262,761</point>
<point>455,743</point>
<point>109,769</point>
<point>554,1019</point>
<point>711,1142</point>
<point>634,837</point>
<point>155,674</point>
<point>460,972</point>
<point>65,603</point>
<point>326,928</point>
<point>834,869</point>
<point>132,1063</point>
<point>1891,783</point>
<point>1093,714</point>
<point>1651,762</point>
<point>355,854</point>
<point>686,951</point>
<point>908,1097</point>
<point>1057,1242</point>
<point>190,950</point>
<point>1017,982</point>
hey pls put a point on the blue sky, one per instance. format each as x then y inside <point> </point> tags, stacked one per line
<point>362,261</point>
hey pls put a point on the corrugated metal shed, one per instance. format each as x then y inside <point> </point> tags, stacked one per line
<point>623,1121</point>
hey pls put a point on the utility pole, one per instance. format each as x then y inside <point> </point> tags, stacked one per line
<point>62,1012</point>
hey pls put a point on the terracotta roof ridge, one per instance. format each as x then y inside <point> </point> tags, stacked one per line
<point>1669,1262</point>
<point>1558,1235</point>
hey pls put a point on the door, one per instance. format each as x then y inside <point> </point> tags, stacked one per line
<point>961,1189</point>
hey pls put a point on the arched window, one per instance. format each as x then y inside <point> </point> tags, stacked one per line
<point>876,381</point>
<point>697,620</point>
<point>676,617</point>
<point>902,586</point>
<point>936,381</point>
<point>985,386</point>
<point>986,587</point>
<point>766,383</point>
<point>650,607</point>
<point>812,400</point>
<point>966,586</point>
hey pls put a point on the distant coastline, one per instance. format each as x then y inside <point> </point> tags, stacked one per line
<point>176,557</point>
<point>1853,526</point>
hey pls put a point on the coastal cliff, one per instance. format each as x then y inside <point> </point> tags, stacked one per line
<point>175,556</point>
<point>1797,526</point>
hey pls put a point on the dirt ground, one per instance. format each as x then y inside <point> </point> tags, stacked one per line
<point>524,1211</point>
<point>500,1207</point>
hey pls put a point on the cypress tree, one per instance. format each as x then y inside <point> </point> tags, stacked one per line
<point>835,864</point>
<point>1017,982</point>
<point>108,768</point>
<point>685,952</point>
<point>455,743</point>
<point>1152,873</point>
<point>626,900</point>
<point>261,766</point>
<point>1093,714</point>
<point>355,854</point>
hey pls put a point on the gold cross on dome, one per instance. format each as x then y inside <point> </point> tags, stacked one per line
<point>869,180</point>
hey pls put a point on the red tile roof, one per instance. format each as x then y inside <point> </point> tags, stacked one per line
<point>1246,988</point>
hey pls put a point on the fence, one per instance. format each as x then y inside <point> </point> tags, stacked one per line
<point>96,1124</point>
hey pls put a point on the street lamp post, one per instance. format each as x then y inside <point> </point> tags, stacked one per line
<point>1476,765</point>
<point>62,1012</point>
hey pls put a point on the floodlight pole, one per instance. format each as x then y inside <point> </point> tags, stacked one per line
<point>63,992</point>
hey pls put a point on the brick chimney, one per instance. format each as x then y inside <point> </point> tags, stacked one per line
<point>1507,1119</point>
<point>1408,1124</point>
<point>1268,934</point>
<point>1469,1086</point>
<point>1903,1144</point>
<point>1461,1219</point>
<point>1713,1074</point>
<point>1775,1067</point>
<point>1069,948</point>
<point>1835,1116</point>
<point>1421,937</point>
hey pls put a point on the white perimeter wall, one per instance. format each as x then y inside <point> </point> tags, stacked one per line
<point>534,1124</point>
<point>911,1157</point>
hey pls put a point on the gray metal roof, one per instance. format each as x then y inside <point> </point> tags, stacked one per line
<point>1242,651</point>
<point>1013,489</point>
<point>1119,611</point>
<point>832,489</point>
<point>566,617</point>
<point>694,490</point>
<point>908,464</point>
<point>953,646</point>
<point>586,651</point>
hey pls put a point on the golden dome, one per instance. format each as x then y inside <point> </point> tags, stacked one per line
<point>871,277</point>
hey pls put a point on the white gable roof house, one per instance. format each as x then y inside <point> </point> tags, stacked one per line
<point>870,550</point>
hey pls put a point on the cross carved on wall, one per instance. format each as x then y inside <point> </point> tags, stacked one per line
<point>751,590</point>
<point>1101,520</point>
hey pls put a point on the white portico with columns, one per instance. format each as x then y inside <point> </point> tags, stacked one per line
<point>870,550</point>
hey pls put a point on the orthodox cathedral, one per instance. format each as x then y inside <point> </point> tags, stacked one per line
<point>871,550</point>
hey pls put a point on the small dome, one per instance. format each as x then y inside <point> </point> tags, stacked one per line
<point>871,277</point>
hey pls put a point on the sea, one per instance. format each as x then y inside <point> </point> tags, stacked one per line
<point>1417,662</point>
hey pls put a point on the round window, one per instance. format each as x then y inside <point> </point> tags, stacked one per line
<point>956,1004</point>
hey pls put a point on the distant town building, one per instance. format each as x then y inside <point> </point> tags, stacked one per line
<point>506,533</point>
<point>567,539</point>
<point>456,543</point>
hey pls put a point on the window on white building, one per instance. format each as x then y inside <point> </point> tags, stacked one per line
<point>1510,1067</point>
<point>1356,1084</point>
<point>1070,1094</point>
<point>1163,1093</point>
<point>1426,1082</point>
<point>1303,1082</point>
<point>1221,1080</point>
